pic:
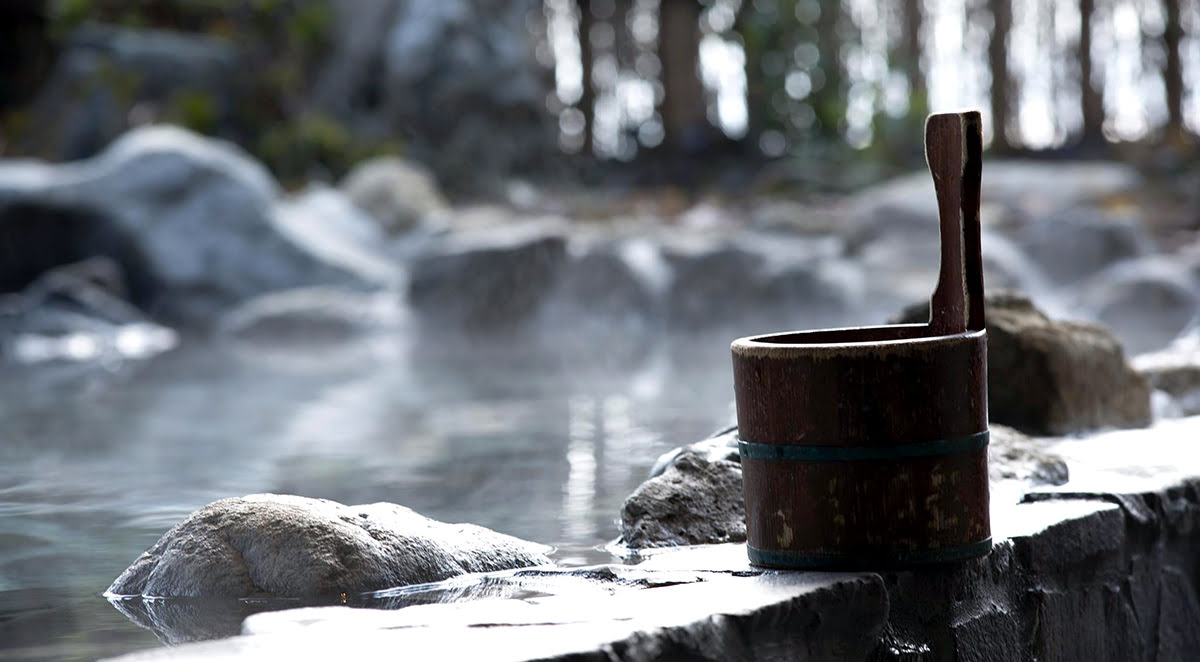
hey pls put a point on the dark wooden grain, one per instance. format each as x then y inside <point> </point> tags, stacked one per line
<point>884,388</point>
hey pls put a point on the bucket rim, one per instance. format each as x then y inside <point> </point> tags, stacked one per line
<point>848,340</point>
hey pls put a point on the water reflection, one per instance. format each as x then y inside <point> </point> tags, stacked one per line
<point>538,443</point>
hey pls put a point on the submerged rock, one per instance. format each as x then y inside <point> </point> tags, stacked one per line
<point>696,499</point>
<point>1052,377</point>
<point>268,545</point>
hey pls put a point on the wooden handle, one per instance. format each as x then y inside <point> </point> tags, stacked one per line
<point>953,150</point>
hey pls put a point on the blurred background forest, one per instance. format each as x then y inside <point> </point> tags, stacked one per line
<point>823,93</point>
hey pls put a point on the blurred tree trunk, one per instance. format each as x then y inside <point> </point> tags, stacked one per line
<point>1001,97</point>
<point>684,105</point>
<point>1173,70</point>
<point>910,59</point>
<point>587,94</point>
<point>758,30</point>
<point>828,99</point>
<point>1092,103</point>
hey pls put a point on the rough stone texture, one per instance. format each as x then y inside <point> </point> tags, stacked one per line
<point>487,280</point>
<point>397,193</point>
<point>1014,456</point>
<point>268,545</point>
<point>1049,377</point>
<point>694,494</point>
<point>694,501</point>
<point>198,214</point>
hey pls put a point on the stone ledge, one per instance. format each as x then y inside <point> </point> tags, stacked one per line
<point>1101,568</point>
<point>714,616</point>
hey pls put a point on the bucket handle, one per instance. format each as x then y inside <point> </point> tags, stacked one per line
<point>953,150</point>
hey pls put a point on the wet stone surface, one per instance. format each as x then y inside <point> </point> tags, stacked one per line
<point>1097,568</point>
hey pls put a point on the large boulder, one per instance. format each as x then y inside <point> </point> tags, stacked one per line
<point>1052,377</point>
<point>198,216</point>
<point>487,280</point>
<point>269,545</point>
<point>396,192</point>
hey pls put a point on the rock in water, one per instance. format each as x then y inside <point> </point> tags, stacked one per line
<point>487,280</point>
<point>1051,377</point>
<point>697,499</point>
<point>694,494</point>
<point>269,545</point>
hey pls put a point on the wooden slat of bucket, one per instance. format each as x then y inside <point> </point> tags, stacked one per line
<point>864,448</point>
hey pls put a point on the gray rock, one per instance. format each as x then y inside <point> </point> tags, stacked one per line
<point>200,216</point>
<point>76,313</point>
<point>487,280</point>
<point>397,193</point>
<point>1049,377</point>
<point>1036,188</point>
<point>1075,243</point>
<point>268,545</point>
<point>772,280</point>
<point>799,217</point>
<point>697,499</point>
<point>1146,302</point>
<point>1175,371</point>
<point>721,446</point>
<point>1014,456</point>
<point>602,282</point>
<point>694,494</point>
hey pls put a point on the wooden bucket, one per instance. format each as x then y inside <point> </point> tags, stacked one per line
<point>866,448</point>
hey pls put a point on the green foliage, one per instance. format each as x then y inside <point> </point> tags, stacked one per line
<point>280,43</point>
<point>313,144</point>
<point>194,109</point>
